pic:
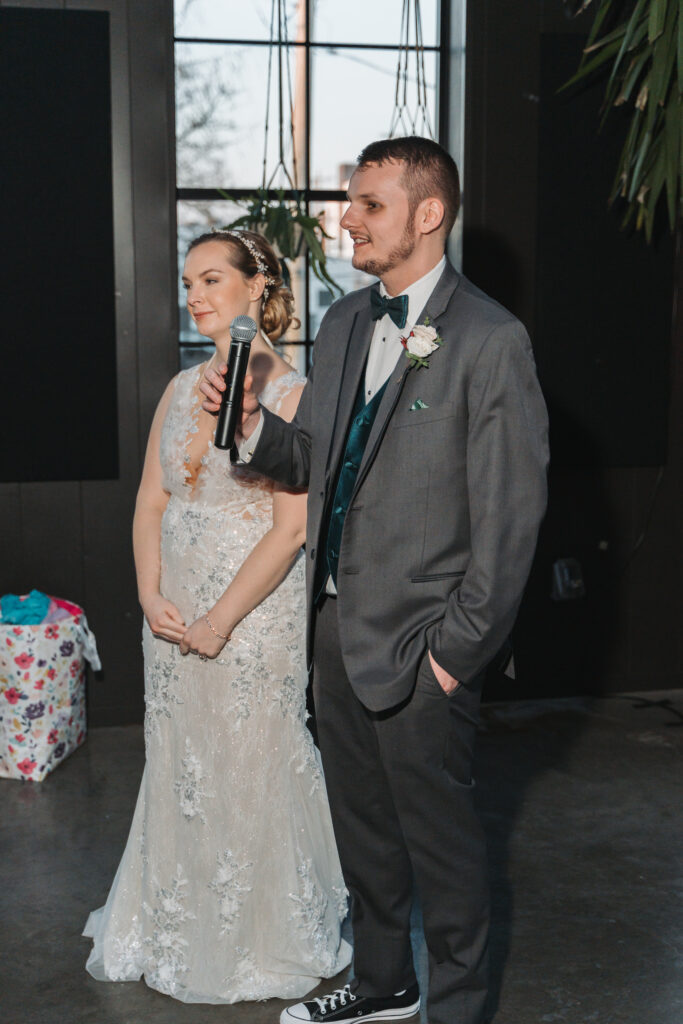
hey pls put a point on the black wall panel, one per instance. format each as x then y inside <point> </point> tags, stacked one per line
<point>58,409</point>
<point>600,309</point>
<point>72,537</point>
<point>603,322</point>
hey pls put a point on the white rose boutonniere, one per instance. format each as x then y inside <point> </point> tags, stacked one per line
<point>420,343</point>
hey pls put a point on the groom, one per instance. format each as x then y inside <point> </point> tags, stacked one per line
<point>421,437</point>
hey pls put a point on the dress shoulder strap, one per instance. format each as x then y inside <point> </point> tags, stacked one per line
<point>277,390</point>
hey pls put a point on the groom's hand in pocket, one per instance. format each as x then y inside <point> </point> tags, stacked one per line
<point>447,683</point>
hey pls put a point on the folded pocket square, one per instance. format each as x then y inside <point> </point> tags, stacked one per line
<point>418,404</point>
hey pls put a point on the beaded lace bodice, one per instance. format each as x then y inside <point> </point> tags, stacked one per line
<point>219,482</point>
<point>209,527</point>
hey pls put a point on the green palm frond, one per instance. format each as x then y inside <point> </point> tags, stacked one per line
<point>639,43</point>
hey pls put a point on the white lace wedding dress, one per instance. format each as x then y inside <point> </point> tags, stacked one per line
<point>230,886</point>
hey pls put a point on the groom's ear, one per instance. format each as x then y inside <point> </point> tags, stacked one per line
<point>429,215</point>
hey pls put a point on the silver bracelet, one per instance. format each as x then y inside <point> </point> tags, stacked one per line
<point>215,632</point>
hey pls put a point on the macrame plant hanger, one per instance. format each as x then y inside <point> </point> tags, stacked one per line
<point>284,219</point>
<point>404,120</point>
<point>280,38</point>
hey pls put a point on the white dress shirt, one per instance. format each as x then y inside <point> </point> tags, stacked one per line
<point>386,347</point>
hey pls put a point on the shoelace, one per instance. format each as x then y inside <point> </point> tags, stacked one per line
<point>330,1002</point>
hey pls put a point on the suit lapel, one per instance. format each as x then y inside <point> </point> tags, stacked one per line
<point>436,305</point>
<point>353,368</point>
<point>438,301</point>
<point>391,395</point>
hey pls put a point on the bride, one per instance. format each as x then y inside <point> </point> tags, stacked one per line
<point>230,886</point>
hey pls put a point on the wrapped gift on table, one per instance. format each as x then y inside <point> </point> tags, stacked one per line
<point>42,683</point>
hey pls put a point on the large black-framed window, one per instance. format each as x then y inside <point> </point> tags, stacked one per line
<point>343,84</point>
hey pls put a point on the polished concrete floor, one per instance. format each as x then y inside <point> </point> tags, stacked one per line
<point>581,801</point>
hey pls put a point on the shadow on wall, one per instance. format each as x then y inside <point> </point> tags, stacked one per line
<point>569,647</point>
<point>561,648</point>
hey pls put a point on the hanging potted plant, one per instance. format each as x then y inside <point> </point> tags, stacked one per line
<point>289,228</point>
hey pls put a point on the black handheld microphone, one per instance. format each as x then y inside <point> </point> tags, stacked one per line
<point>242,331</point>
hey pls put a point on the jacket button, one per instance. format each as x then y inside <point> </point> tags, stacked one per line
<point>312,552</point>
<point>350,465</point>
<point>339,510</point>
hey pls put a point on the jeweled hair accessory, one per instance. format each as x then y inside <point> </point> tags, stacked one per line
<point>261,264</point>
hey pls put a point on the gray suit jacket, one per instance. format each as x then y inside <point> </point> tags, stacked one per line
<point>441,530</point>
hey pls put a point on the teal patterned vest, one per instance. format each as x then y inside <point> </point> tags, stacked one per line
<point>359,432</point>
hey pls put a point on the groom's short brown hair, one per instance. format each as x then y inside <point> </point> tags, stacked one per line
<point>428,171</point>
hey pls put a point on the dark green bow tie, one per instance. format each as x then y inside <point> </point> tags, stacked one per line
<point>397,308</point>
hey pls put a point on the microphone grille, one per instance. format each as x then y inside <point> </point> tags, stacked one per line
<point>243,328</point>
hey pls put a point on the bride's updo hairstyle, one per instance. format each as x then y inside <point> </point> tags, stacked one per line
<point>251,254</point>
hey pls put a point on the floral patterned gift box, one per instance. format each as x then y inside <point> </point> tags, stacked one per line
<point>42,692</point>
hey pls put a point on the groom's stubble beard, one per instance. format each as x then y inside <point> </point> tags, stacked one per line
<point>403,251</point>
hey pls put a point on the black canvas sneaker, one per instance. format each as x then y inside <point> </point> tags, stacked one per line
<point>344,1006</point>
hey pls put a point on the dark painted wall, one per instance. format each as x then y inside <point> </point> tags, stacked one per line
<point>599,308</point>
<point>57,273</point>
<point>72,538</point>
